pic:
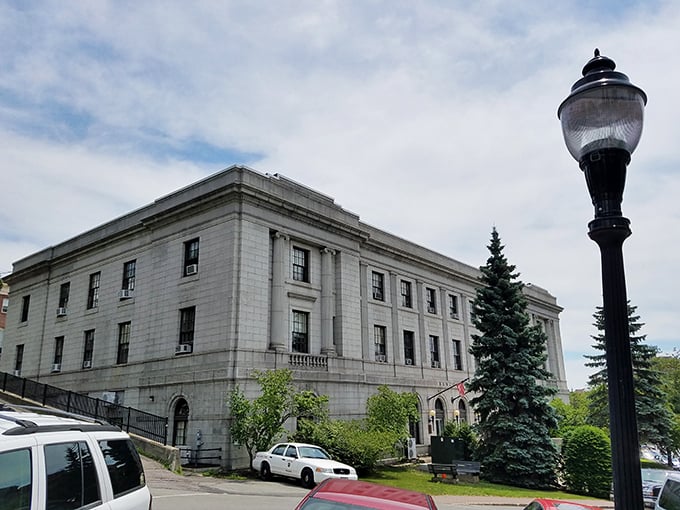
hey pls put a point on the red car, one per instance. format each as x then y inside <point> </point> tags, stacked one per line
<point>355,495</point>
<point>557,504</point>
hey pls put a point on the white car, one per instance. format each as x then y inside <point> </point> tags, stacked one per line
<point>308,463</point>
<point>49,461</point>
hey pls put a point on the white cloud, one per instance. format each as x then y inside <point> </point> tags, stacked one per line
<point>434,121</point>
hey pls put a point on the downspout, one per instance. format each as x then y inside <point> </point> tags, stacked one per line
<point>44,321</point>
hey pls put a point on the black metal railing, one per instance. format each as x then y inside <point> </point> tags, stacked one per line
<point>200,457</point>
<point>129,419</point>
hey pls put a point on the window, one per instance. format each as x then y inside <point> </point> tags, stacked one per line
<point>25,304</point>
<point>191,257</point>
<point>379,335</point>
<point>409,351</point>
<point>123,343</point>
<point>279,450</point>
<point>453,306</point>
<point>71,476</point>
<point>187,320</point>
<point>179,431</point>
<point>124,465</point>
<point>378,283</point>
<point>431,299</point>
<point>457,359</point>
<point>64,291</point>
<point>58,349</point>
<point>406,294</point>
<point>93,291</point>
<point>129,271</point>
<point>5,305</point>
<point>88,348</point>
<point>15,484</point>
<point>300,265</point>
<point>300,331</point>
<point>19,359</point>
<point>434,351</point>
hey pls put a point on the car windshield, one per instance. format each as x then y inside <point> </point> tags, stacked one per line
<point>312,452</point>
<point>653,475</point>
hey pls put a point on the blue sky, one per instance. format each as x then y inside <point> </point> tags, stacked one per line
<point>433,120</point>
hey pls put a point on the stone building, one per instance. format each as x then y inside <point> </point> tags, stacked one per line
<point>169,307</point>
<point>4,306</point>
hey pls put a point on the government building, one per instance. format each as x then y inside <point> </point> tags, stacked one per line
<point>168,308</point>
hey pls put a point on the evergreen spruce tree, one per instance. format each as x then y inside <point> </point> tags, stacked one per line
<point>512,403</point>
<point>654,419</point>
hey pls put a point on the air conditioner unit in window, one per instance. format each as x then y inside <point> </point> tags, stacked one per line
<point>183,348</point>
<point>126,294</point>
<point>56,367</point>
<point>436,364</point>
<point>191,269</point>
<point>61,311</point>
<point>87,364</point>
<point>17,373</point>
<point>409,361</point>
<point>381,358</point>
<point>109,396</point>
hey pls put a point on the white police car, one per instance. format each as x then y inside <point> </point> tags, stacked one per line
<point>49,461</point>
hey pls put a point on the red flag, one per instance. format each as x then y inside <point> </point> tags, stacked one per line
<point>461,388</point>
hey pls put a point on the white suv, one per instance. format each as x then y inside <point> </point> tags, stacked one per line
<point>56,462</point>
<point>669,496</point>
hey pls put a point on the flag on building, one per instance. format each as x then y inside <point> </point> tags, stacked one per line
<point>461,388</point>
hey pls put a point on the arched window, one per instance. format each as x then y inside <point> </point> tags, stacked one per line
<point>462,412</point>
<point>181,418</point>
<point>414,428</point>
<point>439,417</point>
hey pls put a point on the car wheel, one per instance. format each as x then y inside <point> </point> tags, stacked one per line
<point>265,472</point>
<point>307,478</point>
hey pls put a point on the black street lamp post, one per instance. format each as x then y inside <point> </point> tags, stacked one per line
<point>602,124</point>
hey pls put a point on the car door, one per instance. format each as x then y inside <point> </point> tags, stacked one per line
<point>291,458</point>
<point>19,476</point>
<point>69,476</point>
<point>125,474</point>
<point>277,460</point>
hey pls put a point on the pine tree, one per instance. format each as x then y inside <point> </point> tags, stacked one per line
<point>654,420</point>
<point>513,405</point>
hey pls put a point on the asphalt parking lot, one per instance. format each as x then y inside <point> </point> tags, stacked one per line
<point>163,483</point>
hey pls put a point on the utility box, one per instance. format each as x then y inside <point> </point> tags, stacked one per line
<point>411,450</point>
<point>444,450</point>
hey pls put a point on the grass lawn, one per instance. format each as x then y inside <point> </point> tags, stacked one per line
<point>414,479</point>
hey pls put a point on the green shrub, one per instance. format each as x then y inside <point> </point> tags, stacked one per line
<point>349,442</point>
<point>464,432</point>
<point>586,461</point>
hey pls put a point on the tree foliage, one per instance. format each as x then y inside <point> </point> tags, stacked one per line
<point>465,433</point>
<point>362,443</point>
<point>586,461</point>
<point>389,411</point>
<point>351,442</point>
<point>573,414</point>
<point>515,415</point>
<point>668,367</point>
<point>258,423</point>
<point>654,419</point>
